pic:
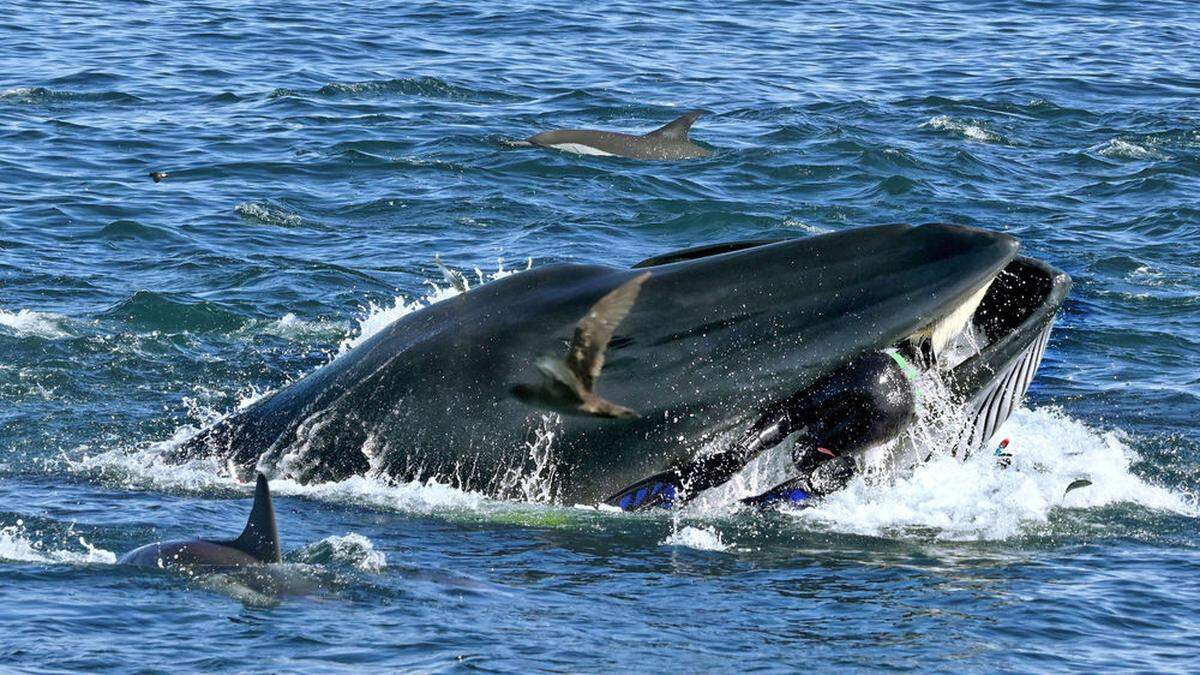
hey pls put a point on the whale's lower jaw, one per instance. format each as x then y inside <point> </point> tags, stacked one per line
<point>581,149</point>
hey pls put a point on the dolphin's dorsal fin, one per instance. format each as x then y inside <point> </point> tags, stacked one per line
<point>677,130</point>
<point>260,538</point>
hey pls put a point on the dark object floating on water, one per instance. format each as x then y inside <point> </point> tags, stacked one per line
<point>159,176</point>
<point>669,141</point>
<point>1077,484</point>
<point>258,544</point>
<point>568,384</point>
<point>727,344</point>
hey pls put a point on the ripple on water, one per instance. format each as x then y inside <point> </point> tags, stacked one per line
<point>173,312</point>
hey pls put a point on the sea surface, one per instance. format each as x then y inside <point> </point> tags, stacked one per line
<point>321,153</point>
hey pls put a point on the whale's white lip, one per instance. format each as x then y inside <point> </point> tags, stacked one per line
<point>942,331</point>
<point>581,149</point>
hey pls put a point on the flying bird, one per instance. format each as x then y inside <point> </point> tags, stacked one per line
<point>568,384</point>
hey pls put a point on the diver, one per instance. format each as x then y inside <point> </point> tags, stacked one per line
<point>860,406</point>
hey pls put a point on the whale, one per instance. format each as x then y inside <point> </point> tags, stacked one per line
<point>668,142</point>
<point>258,544</point>
<point>720,336</point>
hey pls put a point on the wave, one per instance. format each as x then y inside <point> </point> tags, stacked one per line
<point>943,499</point>
<point>422,87</point>
<point>1152,146</point>
<point>379,316</point>
<point>291,327</point>
<point>174,313</point>
<point>132,229</point>
<point>17,544</point>
<point>970,129</point>
<point>28,323</point>
<point>37,95</point>
<point>1129,149</point>
<point>348,550</point>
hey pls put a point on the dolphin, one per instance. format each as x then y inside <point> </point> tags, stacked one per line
<point>669,141</point>
<point>719,335</point>
<point>257,544</point>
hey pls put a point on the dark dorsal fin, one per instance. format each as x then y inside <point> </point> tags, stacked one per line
<point>677,130</point>
<point>260,538</point>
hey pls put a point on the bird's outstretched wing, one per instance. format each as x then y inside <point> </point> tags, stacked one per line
<point>593,332</point>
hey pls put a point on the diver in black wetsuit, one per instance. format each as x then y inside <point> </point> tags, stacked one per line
<point>866,403</point>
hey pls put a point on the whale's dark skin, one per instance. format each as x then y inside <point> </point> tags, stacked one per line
<point>711,342</point>
<point>665,143</point>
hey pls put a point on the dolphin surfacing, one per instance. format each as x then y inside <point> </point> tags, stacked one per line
<point>668,142</point>
<point>718,335</point>
<point>258,543</point>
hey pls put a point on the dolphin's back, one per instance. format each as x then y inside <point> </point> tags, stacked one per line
<point>668,142</point>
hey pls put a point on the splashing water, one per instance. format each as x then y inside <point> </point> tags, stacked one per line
<point>17,544</point>
<point>27,323</point>
<point>379,316</point>
<point>699,538</point>
<point>977,500</point>
<point>350,550</point>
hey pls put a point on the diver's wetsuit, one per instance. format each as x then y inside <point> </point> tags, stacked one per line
<point>863,404</point>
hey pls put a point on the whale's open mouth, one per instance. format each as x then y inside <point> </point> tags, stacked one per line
<point>1011,327</point>
<point>986,349</point>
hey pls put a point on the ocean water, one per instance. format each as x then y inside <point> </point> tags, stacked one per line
<point>319,155</point>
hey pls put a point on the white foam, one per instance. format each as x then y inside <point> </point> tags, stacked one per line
<point>699,538</point>
<point>292,327</point>
<point>16,544</point>
<point>1123,149</point>
<point>147,468</point>
<point>807,228</point>
<point>269,214</point>
<point>26,323</point>
<point>351,549</point>
<point>967,129</point>
<point>379,316</point>
<point>976,499</point>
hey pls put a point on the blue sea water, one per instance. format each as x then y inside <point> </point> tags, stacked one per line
<point>319,155</point>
